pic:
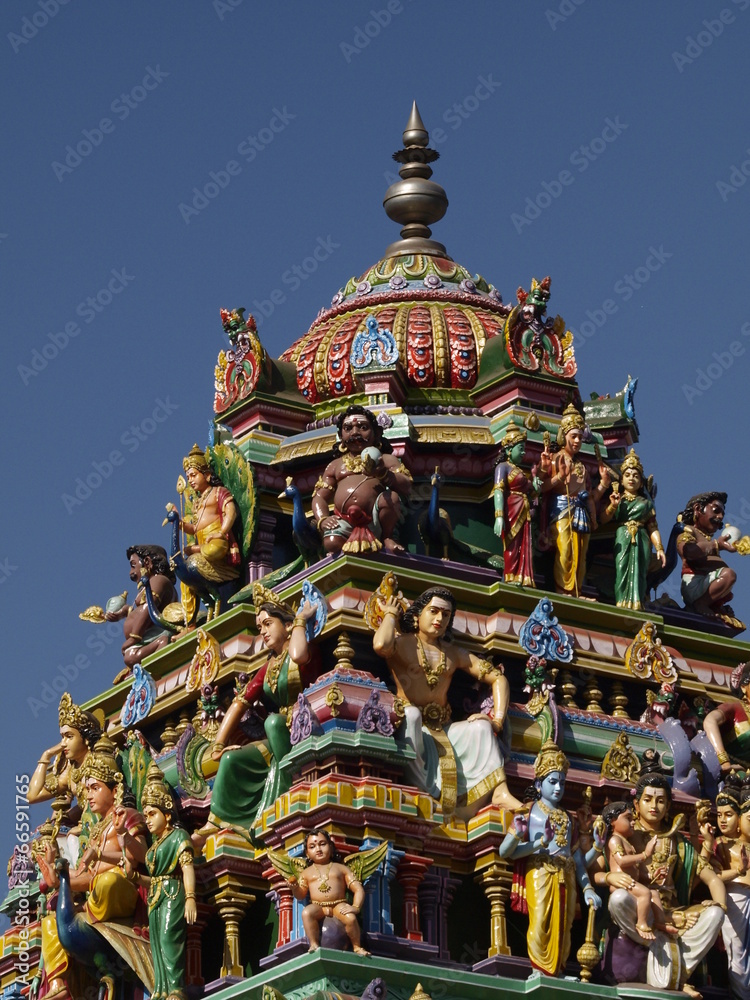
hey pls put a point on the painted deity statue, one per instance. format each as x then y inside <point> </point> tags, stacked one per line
<point>171,888</point>
<point>513,492</point>
<point>622,857</point>
<point>728,853</point>
<point>58,774</point>
<point>547,839</point>
<point>672,870</point>
<point>728,725</point>
<point>117,840</point>
<point>459,763</point>
<point>327,891</point>
<point>707,581</point>
<point>572,512</point>
<point>365,483</point>
<point>249,776</point>
<point>215,554</point>
<point>633,511</point>
<point>142,637</point>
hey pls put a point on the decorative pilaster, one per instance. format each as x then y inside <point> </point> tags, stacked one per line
<point>261,562</point>
<point>410,873</point>
<point>496,881</point>
<point>231,907</point>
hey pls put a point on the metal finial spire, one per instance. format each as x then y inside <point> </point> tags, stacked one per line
<point>415,201</point>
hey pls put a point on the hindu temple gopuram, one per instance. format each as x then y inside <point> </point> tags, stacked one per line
<point>399,711</point>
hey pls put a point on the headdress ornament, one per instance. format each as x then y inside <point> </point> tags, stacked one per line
<point>156,793</point>
<point>262,595</point>
<point>727,798</point>
<point>571,420</point>
<point>550,758</point>
<point>101,763</point>
<point>513,435</point>
<point>197,459</point>
<point>632,462</point>
<point>71,714</point>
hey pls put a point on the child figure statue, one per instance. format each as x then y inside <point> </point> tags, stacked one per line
<point>325,879</point>
<point>622,857</point>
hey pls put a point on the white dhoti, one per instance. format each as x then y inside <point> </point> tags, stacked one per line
<point>458,763</point>
<point>671,959</point>
<point>736,933</point>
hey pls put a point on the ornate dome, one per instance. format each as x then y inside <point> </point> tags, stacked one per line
<point>427,309</point>
<point>439,315</point>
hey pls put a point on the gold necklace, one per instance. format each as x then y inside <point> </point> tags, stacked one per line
<point>202,502</point>
<point>323,885</point>
<point>432,672</point>
<point>353,463</point>
<point>560,822</point>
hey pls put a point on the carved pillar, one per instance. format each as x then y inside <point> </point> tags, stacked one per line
<point>283,900</point>
<point>261,562</point>
<point>496,880</point>
<point>193,968</point>
<point>231,907</point>
<point>410,873</point>
<point>436,892</point>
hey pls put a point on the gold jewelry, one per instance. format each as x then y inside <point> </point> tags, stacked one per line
<point>392,611</point>
<point>299,622</point>
<point>323,885</point>
<point>723,757</point>
<point>69,714</point>
<point>217,745</point>
<point>189,895</point>
<point>560,822</point>
<point>432,672</point>
<point>156,792</point>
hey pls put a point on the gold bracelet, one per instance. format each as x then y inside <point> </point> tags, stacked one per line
<point>218,746</point>
<point>722,757</point>
<point>391,611</point>
<point>189,895</point>
<point>299,622</point>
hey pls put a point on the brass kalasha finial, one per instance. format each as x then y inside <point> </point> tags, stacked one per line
<point>415,202</point>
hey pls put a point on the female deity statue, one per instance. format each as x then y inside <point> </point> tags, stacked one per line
<point>513,492</point>
<point>249,776</point>
<point>171,888</point>
<point>633,510</point>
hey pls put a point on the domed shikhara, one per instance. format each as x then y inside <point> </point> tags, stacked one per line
<point>439,315</point>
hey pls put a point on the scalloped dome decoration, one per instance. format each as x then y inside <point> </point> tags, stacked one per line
<point>415,272</point>
<point>439,344</point>
<point>535,343</point>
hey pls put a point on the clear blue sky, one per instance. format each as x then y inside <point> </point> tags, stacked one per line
<point>309,101</point>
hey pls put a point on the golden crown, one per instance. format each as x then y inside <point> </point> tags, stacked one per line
<point>550,758</point>
<point>632,462</point>
<point>571,420</point>
<point>196,459</point>
<point>513,435</point>
<point>71,714</point>
<point>156,793</point>
<point>262,595</point>
<point>101,763</point>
